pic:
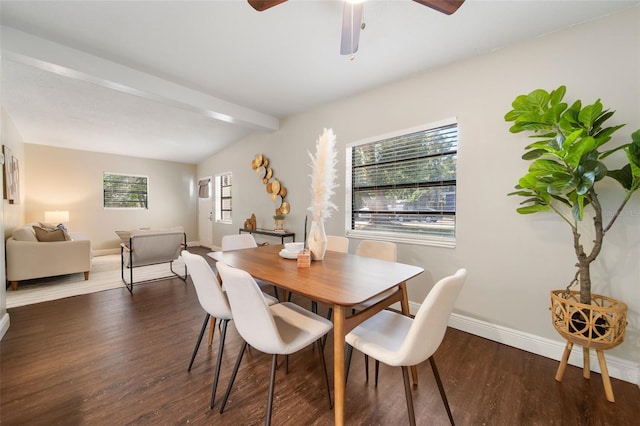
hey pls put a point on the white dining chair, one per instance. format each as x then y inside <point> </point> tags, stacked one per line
<point>237,242</point>
<point>280,329</point>
<point>215,304</point>
<point>337,243</point>
<point>382,250</point>
<point>243,241</point>
<point>401,341</point>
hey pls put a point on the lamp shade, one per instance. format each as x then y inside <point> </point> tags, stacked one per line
<point>56,216</point>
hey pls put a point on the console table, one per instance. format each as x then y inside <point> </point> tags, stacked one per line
<point>281,235</point>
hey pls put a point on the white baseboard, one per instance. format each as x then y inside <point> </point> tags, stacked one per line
<point>4,324</point>
<point>618,368</point>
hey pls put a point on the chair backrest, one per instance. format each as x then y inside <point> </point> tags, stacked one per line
<point>382,250</point>
<point>430,323</point>
<point>210,295</point>
<point>337,243</point>
<point>251,314</point>
<point>150,247</point>
<point>238,241</point>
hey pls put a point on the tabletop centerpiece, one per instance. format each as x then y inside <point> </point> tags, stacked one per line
<point>323,182</point>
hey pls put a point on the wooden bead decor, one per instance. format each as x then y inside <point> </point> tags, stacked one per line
<point>261,165</point>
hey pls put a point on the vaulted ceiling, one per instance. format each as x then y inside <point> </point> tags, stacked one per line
<point>180,80</point>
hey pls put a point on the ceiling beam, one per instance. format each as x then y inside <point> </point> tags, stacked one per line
<point>62,60</point>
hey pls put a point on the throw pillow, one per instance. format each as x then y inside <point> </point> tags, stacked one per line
<point>52,226</point>
<point>24,233</point>
<point>49,235</point>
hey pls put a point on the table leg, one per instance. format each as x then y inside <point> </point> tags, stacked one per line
<point>404,303</point>
<point>212,328</point>
<point>338,363</point>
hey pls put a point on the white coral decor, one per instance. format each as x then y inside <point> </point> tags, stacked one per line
<point>323,176</point>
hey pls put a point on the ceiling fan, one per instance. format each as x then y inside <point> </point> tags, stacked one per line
<point>352,18</point>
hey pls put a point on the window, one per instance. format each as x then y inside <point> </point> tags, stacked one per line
<point>125,191</point>
<point>402,187</point>
<point>223,198</point>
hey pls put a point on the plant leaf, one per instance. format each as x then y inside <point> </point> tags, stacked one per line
<point>623,176</point>
<point>532,209</point>
<point>532,155</point>
<point>578,208</point>
<point>546,167</point>
<point>579,148</point>
<point>589,114</point>
<point>556,95</point>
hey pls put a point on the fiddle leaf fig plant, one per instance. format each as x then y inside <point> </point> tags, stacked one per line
<point>567,163</point>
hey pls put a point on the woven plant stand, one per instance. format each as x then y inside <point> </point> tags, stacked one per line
<point>599,326</point>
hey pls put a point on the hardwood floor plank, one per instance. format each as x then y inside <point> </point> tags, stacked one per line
<point>112,358</point>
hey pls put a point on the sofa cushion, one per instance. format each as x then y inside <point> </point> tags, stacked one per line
<point>25,233</point>
<point>45,235</point>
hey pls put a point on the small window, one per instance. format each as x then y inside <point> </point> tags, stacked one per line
<point>125,191</point>
<point>223,198</point>
<point>402,187</point>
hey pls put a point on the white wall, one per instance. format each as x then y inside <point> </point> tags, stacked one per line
<point>11,215</point>
<point>513,260</point>
<point>67,179</point>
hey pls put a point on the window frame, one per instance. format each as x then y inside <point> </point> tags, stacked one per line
<point>430,240</point>
<point>219,197</point>
<point>146,207</point>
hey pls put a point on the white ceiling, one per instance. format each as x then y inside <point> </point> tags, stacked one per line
<point>180,80</point>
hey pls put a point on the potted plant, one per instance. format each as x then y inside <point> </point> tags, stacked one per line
<point>279,220</point>
<point>567,165</point>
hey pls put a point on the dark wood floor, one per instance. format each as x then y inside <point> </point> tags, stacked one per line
<point>112,358</point>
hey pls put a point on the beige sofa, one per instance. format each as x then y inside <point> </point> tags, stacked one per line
<point>28,258</point>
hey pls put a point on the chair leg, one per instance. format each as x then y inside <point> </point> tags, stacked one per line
<point>233,377</point>
<point>407,393</point>
<point>195,350</point>
<point>275,290</point>
<point>314,309</point>
<point>441,389</point>
<point>366,367</point>
<point>272,383</point>
<point>348,353</point>
<point>377,369</point>
<point>324,371</point>
<point>216,375</point>
<point>329,315</point>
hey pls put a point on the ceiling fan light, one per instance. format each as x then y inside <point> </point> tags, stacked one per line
<point>351,24</point>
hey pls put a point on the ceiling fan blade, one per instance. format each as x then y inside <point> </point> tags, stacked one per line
<point>261,5</point>
<point>448,7</point>
<point>351,22</point>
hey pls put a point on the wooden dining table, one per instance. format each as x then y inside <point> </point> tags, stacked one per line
<point>341,281</point>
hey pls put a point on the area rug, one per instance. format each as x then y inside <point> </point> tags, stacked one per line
<point>104,275</point>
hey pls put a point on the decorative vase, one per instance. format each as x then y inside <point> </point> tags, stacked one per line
<point>317,240</point>
<point>279,225</point>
